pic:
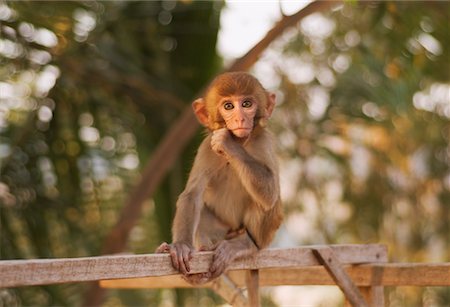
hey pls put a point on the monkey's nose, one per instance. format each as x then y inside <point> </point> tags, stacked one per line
<point>240,118</point>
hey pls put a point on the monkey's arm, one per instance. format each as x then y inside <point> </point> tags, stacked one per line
<point>187,216</point>
<point>258,173</point>
<point>183,229</point>
<point>188,210</point>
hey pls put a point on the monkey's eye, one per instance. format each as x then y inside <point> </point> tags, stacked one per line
<point>246,104</point>
<point>228,106</point>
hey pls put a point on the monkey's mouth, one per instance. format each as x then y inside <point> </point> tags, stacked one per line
<point>241,132</point>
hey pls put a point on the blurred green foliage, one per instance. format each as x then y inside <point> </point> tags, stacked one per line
<point>364,126</point>
<point>124,71</point>
<point>88,89</point>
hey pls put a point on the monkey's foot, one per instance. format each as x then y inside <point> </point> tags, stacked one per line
<point>164,248</point>
<point>198,278</point>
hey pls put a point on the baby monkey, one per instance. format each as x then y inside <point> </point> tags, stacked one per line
<point>231,204</point>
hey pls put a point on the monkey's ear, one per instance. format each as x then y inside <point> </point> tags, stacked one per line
<point>200,111</point>
<point>270,104</point>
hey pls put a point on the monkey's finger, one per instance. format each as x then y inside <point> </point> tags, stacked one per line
<point>181,262</point>
<point>221,260</point>
<point>219,268</point>
<point>217,260</point>
<point>220,131</point>
<point>174,258</point>
<point>187,255</point>
<point>215,267</point>
<point>163,248</point>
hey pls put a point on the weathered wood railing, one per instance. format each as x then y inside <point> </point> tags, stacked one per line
<point>360,271</point>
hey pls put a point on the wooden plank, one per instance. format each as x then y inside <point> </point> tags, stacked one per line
<point>303,256</point>
<point>49,271</point>
<point>152,282</point>
<point>411,274</point>
<point>387,274</point>
<point>225,287</point>
<point>337,272</point>
<point>252,282</point>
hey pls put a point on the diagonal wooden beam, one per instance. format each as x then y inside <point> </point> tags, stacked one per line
<point>337,272</point>
<point>228,290</point>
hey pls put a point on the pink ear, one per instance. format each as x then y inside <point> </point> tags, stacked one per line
<point>270,104</point>
<point>200,111</point>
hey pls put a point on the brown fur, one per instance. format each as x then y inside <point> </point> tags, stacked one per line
<point>231,203</point>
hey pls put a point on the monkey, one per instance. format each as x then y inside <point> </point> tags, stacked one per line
<point>231,203</point>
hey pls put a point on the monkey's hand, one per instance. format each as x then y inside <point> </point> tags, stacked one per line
<point>224,254</point>
<point>180,253</point>
<point>222,142</point>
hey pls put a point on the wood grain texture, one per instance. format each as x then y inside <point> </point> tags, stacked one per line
<point>252,282</point>
<point>229,291</point>
<point>386,274</point>
<point>340,276</point>
<point>50,271</point>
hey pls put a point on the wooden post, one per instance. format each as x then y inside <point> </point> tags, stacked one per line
<point>252,281</point>
<point>374,295</point>
<point>326,256</point>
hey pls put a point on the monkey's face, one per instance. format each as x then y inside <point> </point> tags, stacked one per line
<point>238,113</point>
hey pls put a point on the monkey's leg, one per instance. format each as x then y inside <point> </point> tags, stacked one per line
<point>228,250</point>
<point>210,230</point>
